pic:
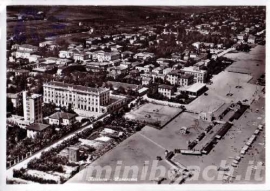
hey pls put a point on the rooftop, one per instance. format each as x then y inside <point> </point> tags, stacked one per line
<point>75,87</point>
<point>37,126</point>
<point>164,86</point>
<point>196,87</point>
<point>62,115</point>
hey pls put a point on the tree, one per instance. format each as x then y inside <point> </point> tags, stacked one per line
<point>10,106</point>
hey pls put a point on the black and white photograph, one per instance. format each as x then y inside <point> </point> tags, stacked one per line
<point>137,95</point>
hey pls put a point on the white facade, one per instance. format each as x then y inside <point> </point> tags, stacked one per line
<point>32,107</point>
<point>80,97</point>
<point>199,75</point>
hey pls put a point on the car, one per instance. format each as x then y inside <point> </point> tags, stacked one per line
<point>205,94</point>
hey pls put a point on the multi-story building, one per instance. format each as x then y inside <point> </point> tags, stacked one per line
<point>102,56</point>
<point>80,97</point>
<point>85,101</point>
<point>177,77</point>
<point>199,76</point>
<point>32,107</point>
<point>166,90</point>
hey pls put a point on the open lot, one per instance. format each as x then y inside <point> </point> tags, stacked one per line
<point>144,146</point>
<point>224,83</point>
<point>149,143</point>
<point>152,113</point>
<point>252,63</point>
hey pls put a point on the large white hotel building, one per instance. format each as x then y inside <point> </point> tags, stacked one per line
<point>85,101</point>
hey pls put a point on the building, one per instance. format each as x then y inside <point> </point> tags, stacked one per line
<point>62,118</point>
<point>16,98</point>
<point>22,72</point>
<point>117,71</point>
<point>146,81</point>
<point>85,101</point>
<point>73,154</point>
<point>32,107</point>
<point>81,98</point>
<point>166,90</point>
<point>177,77</point>
<point>196,89</point>
<point>199,76</point>
<point>167,70</point>
<point>251,39</point>
<point>102,56</point>
<point>144,55</point>
<point>35,129</point>
<point>27,47</point>
<point>126,86</point>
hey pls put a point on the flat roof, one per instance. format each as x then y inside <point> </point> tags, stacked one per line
<point>76,87</point>
<point>196,87</point>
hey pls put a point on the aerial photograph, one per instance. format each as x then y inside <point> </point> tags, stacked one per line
<point>135,94</point>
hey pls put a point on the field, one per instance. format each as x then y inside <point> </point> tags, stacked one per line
<point>152,113</point>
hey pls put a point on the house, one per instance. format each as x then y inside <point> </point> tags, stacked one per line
<point>60,70</point>
<point>126,54</point>
<point>33,58</point>
<point>82,56</point>
<point>49,60</point>
<point>134,73</point>
<point>126,64</point>
<point>158,70</point>
<point>144,55</point>
<point>162,60</point>
<point>196,45</point>
<point>117,71</point>
<point>45,43</point>
<point>166,90</point>
<point>241,36</point>
<point>251,39</point>
<point>102,56</point>
<point>220,46</point>
<point>27,47</point>
<point>35,129</point>
<point>193,55</point>
<point>167,70</point>
<point>43,68</point>
<point>116,47</point>
<point>146,81</point>
<point>143,69</point>
<point>65,54</point>
<point>63,61</point>
<point>23,54</point>
<point>21,72</point>
<point>62,118</point>
<point>16,98</point>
